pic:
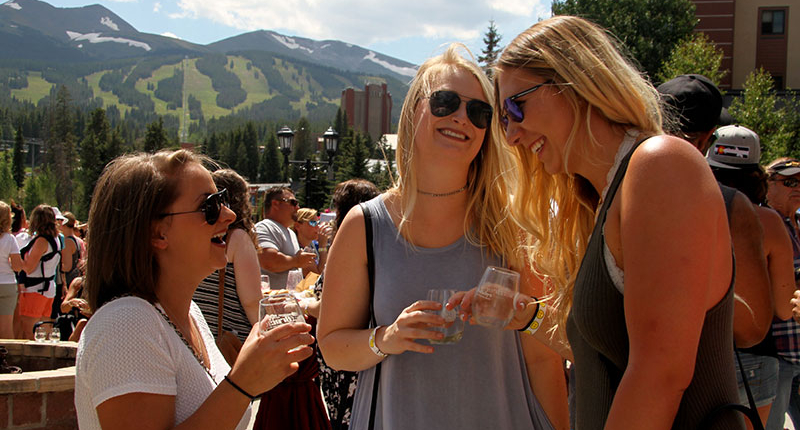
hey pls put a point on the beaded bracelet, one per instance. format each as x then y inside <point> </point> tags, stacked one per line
<point>240,389</point>
<point>536,320</point>
<point>374,345</point>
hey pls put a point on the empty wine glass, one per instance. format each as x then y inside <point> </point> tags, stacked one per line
<point>278,309</point>
<point>264,285</point>
<point>293,278</point>
<point>493,303</point>
<point>55,334</point>
<point>40,334</point>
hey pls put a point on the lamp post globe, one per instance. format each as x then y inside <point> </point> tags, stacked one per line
<point>285,138</point>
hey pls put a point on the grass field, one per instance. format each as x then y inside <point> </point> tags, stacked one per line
<point>108,97</point>
<point>159,74</point>
<point>257,89</point>
<point>36,90</point>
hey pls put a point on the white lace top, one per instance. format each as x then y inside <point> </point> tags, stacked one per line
<point>128,347</point>
<point>617,275</point>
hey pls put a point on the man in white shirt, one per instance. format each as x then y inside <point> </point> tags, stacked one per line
<point>280,249</point>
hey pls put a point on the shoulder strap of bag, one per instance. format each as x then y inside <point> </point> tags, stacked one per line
<point>372,322</point>
<point>221,302</point>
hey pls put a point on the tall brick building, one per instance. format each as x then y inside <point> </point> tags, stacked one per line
<point>369,110</point>
<point>753,34</point>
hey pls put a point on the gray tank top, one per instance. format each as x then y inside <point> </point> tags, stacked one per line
<point>478,383</point>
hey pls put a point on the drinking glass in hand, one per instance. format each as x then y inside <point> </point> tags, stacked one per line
<point>493,303</point>
<point>454,327</point>
<point>293,278</point>
<point>278,309</point>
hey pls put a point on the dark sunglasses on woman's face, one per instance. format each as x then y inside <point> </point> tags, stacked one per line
<point>445,102</point>
<point>211,207</point>
<point>512,109</point>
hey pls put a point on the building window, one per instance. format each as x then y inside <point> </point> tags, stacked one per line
<point>772,22</point>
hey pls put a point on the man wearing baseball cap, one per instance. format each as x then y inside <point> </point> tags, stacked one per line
<point>783,194</point>
<point>694,104</point>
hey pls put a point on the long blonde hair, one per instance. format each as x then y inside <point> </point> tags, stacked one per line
<point>557,211</point>
<point>487,222</point>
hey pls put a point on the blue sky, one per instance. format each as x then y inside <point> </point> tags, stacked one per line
<point>411,30</point>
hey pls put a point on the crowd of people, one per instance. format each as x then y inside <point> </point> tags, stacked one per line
<point>40,279</point>
<point>658,262</point>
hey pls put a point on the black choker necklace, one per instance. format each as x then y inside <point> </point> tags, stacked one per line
<point>425,193</point>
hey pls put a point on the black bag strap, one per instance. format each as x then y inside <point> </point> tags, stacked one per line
<point>372,322</point>
<point>751,413</point>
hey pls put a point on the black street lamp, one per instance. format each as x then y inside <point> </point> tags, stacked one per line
<point>286,138</point>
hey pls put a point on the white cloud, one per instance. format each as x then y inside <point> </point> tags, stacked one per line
<point>172,35</point>
<point>364,22</point>
<point>156,7</point>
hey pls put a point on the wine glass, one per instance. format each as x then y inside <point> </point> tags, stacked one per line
<point>493,303</point>
<point>40,334</point>
<point>454,327</point>
<point>293,278</point>
<point>278,309</point>
<point>55,334</point>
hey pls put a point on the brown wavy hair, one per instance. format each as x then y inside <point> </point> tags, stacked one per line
<point>130,195</point>
<point>43,221</point>
<point>239,199</point>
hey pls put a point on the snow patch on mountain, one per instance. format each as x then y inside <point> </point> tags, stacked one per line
<point>405,71</point>
<point>290,43</point>
<point>109,23</point>
<point>97,38</point>
<point>12,5</point>
<point>325,46</point>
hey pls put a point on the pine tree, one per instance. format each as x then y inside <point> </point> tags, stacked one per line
<point>18,164</point>
<point>8,187</point>
<point>94,148</point>
<point>249,166</point>
<point>156,137</point>
<point>211,147</point>
<point>490,52</point>
<point>270,169</point>
<point>61,143</point>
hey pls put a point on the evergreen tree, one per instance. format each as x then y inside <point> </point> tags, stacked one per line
<point>649,29</point>
<point>301,146</point>
<point>352,159</point>
<point>491,50</point>
<point>61,143</point>
<point>156,137</point>
<point>94,148</point>
<point>18,166</point>
<point>39,189</point>
<point>249,165</point>
<point>232,150</point>
<point>270,169</point>
<point>8,187</point>
<point>695,54</point>
<point>211,148</point>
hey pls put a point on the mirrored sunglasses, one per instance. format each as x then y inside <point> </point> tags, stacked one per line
<point>445,102</point>
<point>211,207</point>
<point>312,223</point>
<point>512,109</point>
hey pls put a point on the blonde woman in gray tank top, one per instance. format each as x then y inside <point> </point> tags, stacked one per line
<point>439,227</point>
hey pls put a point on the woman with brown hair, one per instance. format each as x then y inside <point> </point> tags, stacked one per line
<point>10,262</point>
<point>158,228</point>
<point>40,264</point>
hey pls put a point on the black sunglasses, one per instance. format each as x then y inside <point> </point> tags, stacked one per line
<point>445,102</point>
<point>789,182</point>
<point>211,207</point>
<point>292,202</point>
<point>512,109</point>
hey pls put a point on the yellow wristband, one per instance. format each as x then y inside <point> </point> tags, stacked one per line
<point>537,320</point>
<point>374,346</point>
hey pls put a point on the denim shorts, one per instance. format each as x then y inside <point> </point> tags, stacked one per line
<point>762,375</point>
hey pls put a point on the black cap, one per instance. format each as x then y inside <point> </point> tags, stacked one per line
<point>696,99</point>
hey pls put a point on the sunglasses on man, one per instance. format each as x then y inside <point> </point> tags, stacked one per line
<point>292,202</point>
<point>512,109</point>
<point>211,207</point>
<point>788,182</point>
<point>445,102</point>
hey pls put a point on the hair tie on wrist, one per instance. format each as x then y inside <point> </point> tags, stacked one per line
<point>240,389</point>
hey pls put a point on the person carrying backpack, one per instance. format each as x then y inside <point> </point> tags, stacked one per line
<point>40,264</point>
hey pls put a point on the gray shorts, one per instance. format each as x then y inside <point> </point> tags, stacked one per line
<point>762,375</point>
<point>8,299</point>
